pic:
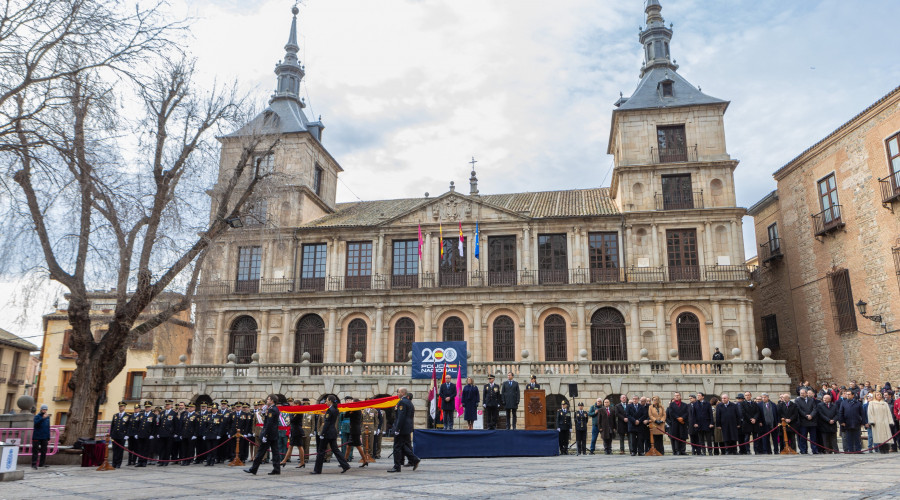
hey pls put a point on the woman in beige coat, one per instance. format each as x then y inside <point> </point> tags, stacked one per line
<point>657,415</point>
<point>880,420</point>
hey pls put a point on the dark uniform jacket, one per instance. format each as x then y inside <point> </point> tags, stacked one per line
<point>490,397</point>
<point>533,385</point>
<point>563,420</point>
<point>190,425</point>
<point>119,427</point>
<point>148,425</point>
<point>405,414</point>
<point>227,423</point>
<point>510,394</point>
<point>212,426</point>
<point>167,423</point>
<point>581,420</point>
<point>272,421</point>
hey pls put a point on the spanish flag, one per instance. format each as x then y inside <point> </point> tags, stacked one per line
<point>388,402</point>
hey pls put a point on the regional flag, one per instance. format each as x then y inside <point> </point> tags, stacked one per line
<point>476,240</point>
<point>461,239</point>
<point>441,229</point>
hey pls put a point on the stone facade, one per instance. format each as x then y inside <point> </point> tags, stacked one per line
<point>17,369</point>
<point>820,331</point>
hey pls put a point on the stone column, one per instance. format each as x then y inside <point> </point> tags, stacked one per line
<point>701,254</point>
<point>526,248</point>
<point>477,343</point>
<point>426,318</point>
<point>740,241</point>
<point>426,253</point>
<point>262,346</point>
<point>379,254</point>
<point>633,336</point>
<point>530,342</point>
<point>572,248</point>
<point>708,245</point>
<point>654,243</point>
<point>748,345</point>
<point>269,248</point>
<point>219,355</point>
<point>582,331</point>
<point>737,256</point>
<point>288,339</point>
<point>292,260</point>
<point>331,340</point>
<point>717,340</point>
<point>628,258</point>
<point>379,342</point>
<point>661,331</point>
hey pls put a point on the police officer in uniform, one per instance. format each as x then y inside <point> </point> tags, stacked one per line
<point>380,427</point>
<point>225,452</point>
<point>190,427</point>
<point>490,400</point>
<point>403,429</point>
<point>246,426</point>
<point>212,433</point>
<point>306,420</point>
<point>132,433</point>
<point>147,428</point>
<point>564,427</point>
<point>201,444</point>
<point>268,438</point>
<point>118,432</point>
<point>581,419</point>
<point>533,384</point>
<point>166,433</point>
<point>328,438</point>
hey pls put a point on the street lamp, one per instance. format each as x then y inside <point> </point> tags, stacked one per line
<point>861,306</point>
<point>234,222</point>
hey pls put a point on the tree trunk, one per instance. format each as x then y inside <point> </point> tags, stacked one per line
<point>89,384</point>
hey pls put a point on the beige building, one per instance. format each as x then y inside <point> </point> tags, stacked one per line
<point>171,339</point>
<point>619,289</point>
<point>830,238</point>
<point>16,369</point>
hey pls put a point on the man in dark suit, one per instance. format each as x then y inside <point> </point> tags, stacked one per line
<point>637,418</point>
<point>828,417</point>
<point>728,417</point>
<point>809,420</point>
<point>749,421</point>
<point>622,423</point>
<point>852,417</point>
<point>679,417</point>
<point>510,395</point>
<point>702,423</point>
<point>269,439</point>
<point>329,438</point>
<point>448,403</point>
<point>768,418</point>
<point>787,410</point>
<point>490,400</point>
<point>403,428</point>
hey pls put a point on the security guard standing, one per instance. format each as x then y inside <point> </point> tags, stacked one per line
<point>581,419</point>
<point>132,433</point>
<point>490,400</point>
<point>146,431</point>
<point>225,452</point>
<point>190,426</point>
<point>166,433</point>
<point>118,432</point>
<point>245,424</point>
<point>201,444</point>
<point>564,427</point>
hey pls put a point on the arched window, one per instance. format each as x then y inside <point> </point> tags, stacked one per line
<point>356,339</point>
<point>608,335</point>
<point>504,339</point>
<point>453,329</point>
<point>404,334</point>
<point>243,339</point>
<point>555,338</point>
<point>688,330</point>
<point>310,338</point>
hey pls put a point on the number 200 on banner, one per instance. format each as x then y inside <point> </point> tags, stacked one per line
<point>434,355</point>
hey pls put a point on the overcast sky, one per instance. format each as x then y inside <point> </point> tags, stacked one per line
<point>410,90</point>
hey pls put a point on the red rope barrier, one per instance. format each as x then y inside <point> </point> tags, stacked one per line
<point>844,452</point>
<point>307,455</point>
<point>175,460</point>
<point>722,447</point>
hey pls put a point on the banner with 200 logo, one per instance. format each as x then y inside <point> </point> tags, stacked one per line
<point>428,356</point>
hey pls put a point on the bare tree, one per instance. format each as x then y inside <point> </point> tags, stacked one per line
<point>106,166</point>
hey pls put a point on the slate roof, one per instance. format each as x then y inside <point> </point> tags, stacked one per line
<point>283,116</point>
<point>545,204</point>
<point>7,338</point>
<point>647,95</point>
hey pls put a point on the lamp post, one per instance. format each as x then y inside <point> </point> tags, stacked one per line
<point>862,307</point>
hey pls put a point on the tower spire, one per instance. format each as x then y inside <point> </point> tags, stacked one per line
<point>656,38</point>
<point>289,71</point>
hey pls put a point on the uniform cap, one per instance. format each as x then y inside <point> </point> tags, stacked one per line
<point>580,404</point>
<point>533,377</point>
<point>305,400</point>
<point>122,403</point>
<point>148,404</point>
<point>137,406</point>
<point>191,405</point>
<point>740,396</point>
<point>224,402</point>
<point>246,405</point>
<point>202,405</point>
<point>491,376</point>
<point>169,402</point>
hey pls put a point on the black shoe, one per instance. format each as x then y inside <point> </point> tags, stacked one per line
<point>275,473</point>
<point>394,470</point>
<point>416,465</point>
<point>345,469</point>
<point>315,472</point>
<point>35,467</point>
<point>250,471</point>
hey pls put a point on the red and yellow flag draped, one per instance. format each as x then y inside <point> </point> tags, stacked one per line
<point>388,402</point>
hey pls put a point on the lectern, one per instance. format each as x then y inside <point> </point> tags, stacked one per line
<point>535,410</point>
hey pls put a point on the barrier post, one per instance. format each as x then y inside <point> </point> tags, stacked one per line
<point>237,451</point>
<point>367,446</point>
<point>106,465</point>
<point>787,444</point>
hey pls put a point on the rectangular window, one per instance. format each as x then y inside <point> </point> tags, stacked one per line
<point>770,326</point>
<point>501,260</point>
<point>249,267</point>
<point>672,143</point>
<point>405,270</point>
<point>133,385</point>
<point>359,265</point>
<point>842,307</point>
<point>828,200</point>
<point>553,264</point>
<point>453,266</point>
<point>773,235</point>
<point>61,418</point>
<point>677,193</point>
<point>265,164</point>
<point>681,247</point>
<point>603,250</point>
<point>893,151</point>
<point>64,393</point>
<point>67,352</point>
<point>312,267</point>
<point>255,213</point>
<point>317,180</point>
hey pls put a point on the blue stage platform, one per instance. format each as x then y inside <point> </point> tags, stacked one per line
<point>428,443</point>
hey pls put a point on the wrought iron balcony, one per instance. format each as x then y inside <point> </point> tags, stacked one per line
<point>827,221</point>
<point>770,250</point>
<point>17,377</point>
<point>890,189</point>
<point>686,200</point>
<point>674,154</point>
<point>4,373</point>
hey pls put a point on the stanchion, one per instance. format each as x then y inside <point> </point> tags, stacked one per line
<point>106,465</point>
<point>237,451</point>
<point>787,444</point>
<point>653,451</point>
<point>367,446</point>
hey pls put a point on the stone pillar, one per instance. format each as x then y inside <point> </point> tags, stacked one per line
<point>747,341</point>
<point>737,256</point>
<point>477,343</point>
<point>626,258</point>
<point>221,340</point>
<point>572,249</point>
<point>740,242</point>
<point>335,267</point>
<point>379,254</point>
<point>717,340</point>
<point>262,346</point>
<point>633,336</point>
<point>426,318</point>
<point>654,243</point>
<point>708,245</point>
<point>426,253</point>
<point>530,342</point>
<point>661,332</point>
<point>701,254</point>
<point>582,342</point>
<point>331,340</point>
<point>288,338</point>
<point>293,259</point>
<point>269,248</point>
<point>379,342</point>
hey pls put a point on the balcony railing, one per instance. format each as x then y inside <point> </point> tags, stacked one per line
<point>890,189</point>
<point>770,250</point>
<point>827,220</point>
<point>679,200</point>
<point>62,393</point>
<point>4,373</point>
<point>17,377</point>
<point>674,154</point>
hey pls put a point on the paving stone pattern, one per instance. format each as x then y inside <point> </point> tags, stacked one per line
<point>770,477</point>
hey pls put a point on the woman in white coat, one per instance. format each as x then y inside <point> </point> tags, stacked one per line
<point>880,420</point>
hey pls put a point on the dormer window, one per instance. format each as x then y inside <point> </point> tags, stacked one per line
<point>666,88</point>
<point>317,180</point>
